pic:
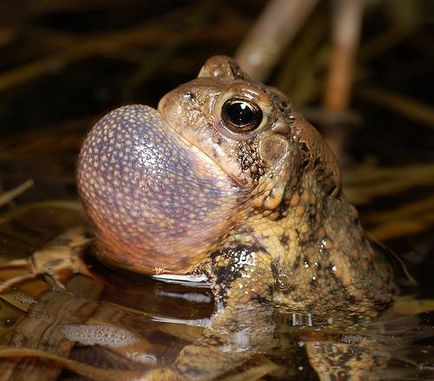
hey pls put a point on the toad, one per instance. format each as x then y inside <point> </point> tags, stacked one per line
<point>227,179</point>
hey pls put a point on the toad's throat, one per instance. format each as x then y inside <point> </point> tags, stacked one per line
<point>153,197</point>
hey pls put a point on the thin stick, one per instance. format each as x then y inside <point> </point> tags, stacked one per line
<point>6,285</point>
<point>271,34</point>
<point>107,44</point>
<point>347,21</point>
<point>346,34</point>
<point>14,263</point>
<point>411,218</point>
<point>85,370</point>
<point>407,107</point>
<point>366,182</point>
<point>7,197</point>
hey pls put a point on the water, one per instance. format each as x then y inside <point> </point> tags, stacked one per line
<point>130,324</point>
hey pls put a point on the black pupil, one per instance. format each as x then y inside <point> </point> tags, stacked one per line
<point>240,113</point>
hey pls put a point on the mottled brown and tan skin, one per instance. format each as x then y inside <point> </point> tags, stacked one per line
<point>261,212</point>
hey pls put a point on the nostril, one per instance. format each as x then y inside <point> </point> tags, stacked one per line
<point>280,126</point>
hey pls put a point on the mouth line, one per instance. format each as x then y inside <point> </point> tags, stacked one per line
<point>208,158</point>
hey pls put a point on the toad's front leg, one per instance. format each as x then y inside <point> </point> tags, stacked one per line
<point>241,328</point>
<point>58,260</point>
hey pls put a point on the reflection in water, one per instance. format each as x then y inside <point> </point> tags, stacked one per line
<point>98,334</point>
<point>124,326</point>
<point>133,327</point>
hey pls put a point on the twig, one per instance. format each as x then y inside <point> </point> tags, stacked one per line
<point>8,196</point>
<point>272,33</point>
<point>407,107</point>
<point>366,182</point>
<point>346,34</point>
<point>347,20</point>
<point>381,43</point>
<point>150,36</point>
<point>86,370</point>
<point>300,77</point>
<point>411,218</point>
<point>410,209</point>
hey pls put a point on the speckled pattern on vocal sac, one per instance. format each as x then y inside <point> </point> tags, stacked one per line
<point>122,165</point>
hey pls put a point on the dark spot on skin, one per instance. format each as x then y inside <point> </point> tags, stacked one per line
<point>311,215</point>
<point>288,290</point>
<point>284,239</point>
<point>254,248</point>
<point>274,268</point>
<point>281,104</point>
<point>231,269</point>
<point>296,264</point>
<point>236,71</point>
<point>284,105</point>
<point>350,355</point>
<point>267,298</point>
<point>303,147</point>
<point>354,319</point>
<point>331,190</point>
<point>316,162</point>
<point>382,305</point>
<point>247,230</point>
<point>8,323</point>
<point>190,95</point>
<point>304,239</point>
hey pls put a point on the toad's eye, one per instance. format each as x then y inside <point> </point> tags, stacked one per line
<point>240,115</point>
